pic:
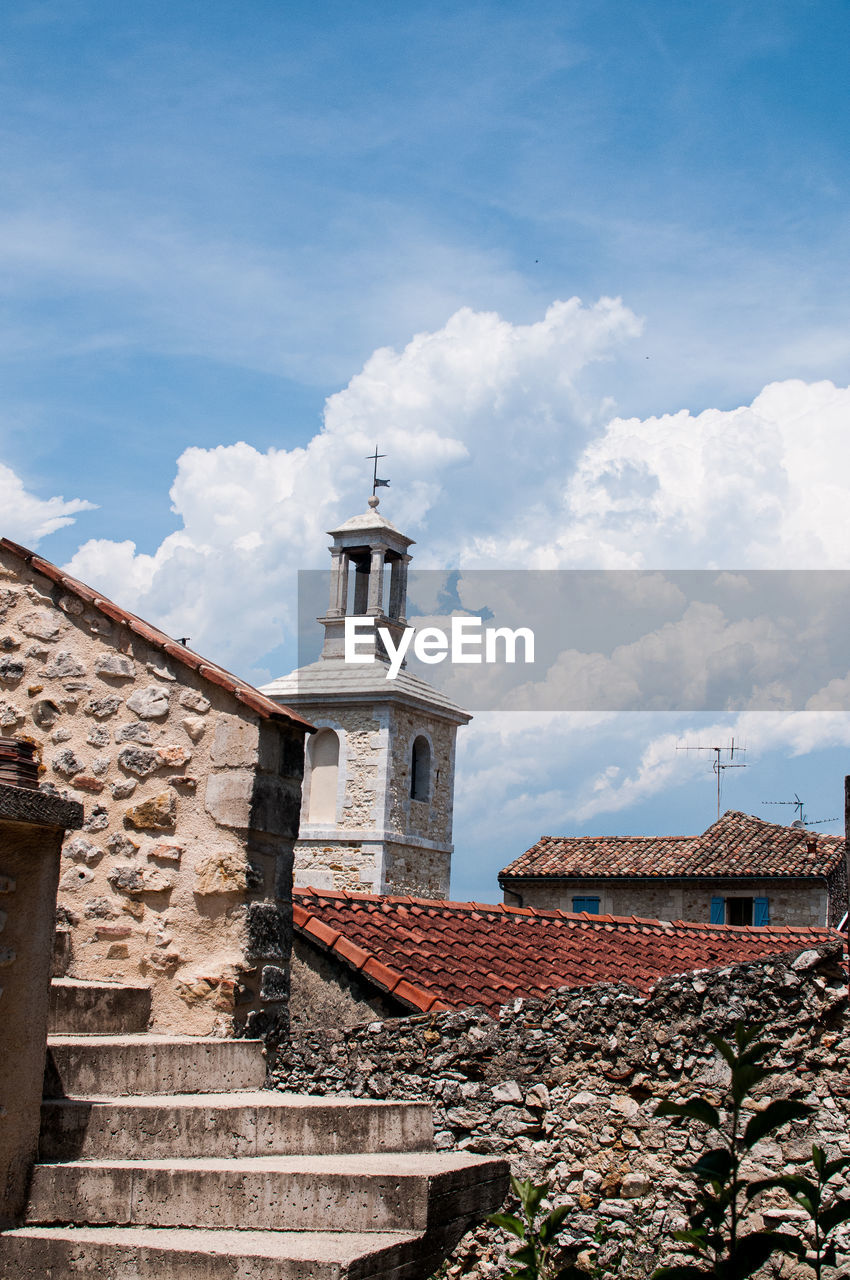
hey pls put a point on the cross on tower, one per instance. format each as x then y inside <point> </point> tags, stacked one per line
<point>376,483</point>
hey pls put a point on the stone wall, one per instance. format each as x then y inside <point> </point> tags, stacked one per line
<point>567,1087</point>
<point>181,874</point>
<point>417,869</point>
<point>791,902</point>
<point>329,994</point>
<point>383,841</point>
<point>431,820</point>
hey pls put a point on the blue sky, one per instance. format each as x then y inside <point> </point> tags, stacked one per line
<point>239,241</point>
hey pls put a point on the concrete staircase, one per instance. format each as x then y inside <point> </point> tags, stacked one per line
<point>164,1158</point>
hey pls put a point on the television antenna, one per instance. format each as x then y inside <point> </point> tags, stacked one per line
<point>718,765</point>
<point>802,821</point>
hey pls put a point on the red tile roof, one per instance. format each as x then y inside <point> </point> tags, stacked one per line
<point>242,691</point>
<point>736,845</point>
<point>449,955</point>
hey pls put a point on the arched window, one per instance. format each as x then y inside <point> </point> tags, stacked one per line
<point>420,770</point>
<point>324,772</point>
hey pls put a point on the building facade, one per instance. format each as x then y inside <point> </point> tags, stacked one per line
<point>740,871</point>
<point>180,878</point>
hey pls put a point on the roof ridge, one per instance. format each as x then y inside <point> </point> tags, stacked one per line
<point>736,846</point>
<point>206,669</point>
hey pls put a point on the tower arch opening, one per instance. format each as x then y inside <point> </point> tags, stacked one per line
<point>323,759</point>
<point>420,769</point>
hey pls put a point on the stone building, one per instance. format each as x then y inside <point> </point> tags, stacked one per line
<point>180,878</point>
<point>379,773</point>
<point>740,871</point>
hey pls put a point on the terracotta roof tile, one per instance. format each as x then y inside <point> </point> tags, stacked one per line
<point>736,845</point>
<point>454,954</point>
<point>246,693</point>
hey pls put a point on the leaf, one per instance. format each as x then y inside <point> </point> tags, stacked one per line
<point>535,1196</point>
<point>794,1183</point>
<point>835,1214</point>
<point>777,1113</point>
<point>745,1078</point>
<point>753,1250</point>
<point>521,1188</point>
<point>713,1166</point>
<point>833,1166</point>
<point>725,1050</point>
<point>553,1222</point>
<point>697,1240</point>
<point>744,1035</point>
<point>527,1255</point>
<point>572,1272</point>
<point>693,1109</point>
<point>529,1196</point>
<point>508,1222</point>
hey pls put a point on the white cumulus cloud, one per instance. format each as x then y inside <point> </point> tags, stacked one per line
<point>472,417</point>
<point>500,457</point>
<point>27,518</point>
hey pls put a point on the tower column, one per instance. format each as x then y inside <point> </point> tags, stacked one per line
<point>339,583</point>
<point>361,587</point>
<point>398,588</point>
<point>376,581</point>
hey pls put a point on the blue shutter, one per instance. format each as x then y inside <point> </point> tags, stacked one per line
<point>761,913</point>
<point>590,905</point>
<point>718,910</point>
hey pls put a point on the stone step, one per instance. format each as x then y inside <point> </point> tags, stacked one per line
<point>139,1253</point>
<point>380,1192</point>
<point>231,1124</point>
<point>119,1066</point>
<point>97,1008</point>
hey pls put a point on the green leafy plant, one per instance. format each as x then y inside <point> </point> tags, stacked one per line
<point>537,1257</point>
<point>716,1237</point>
<point>809,1194</point>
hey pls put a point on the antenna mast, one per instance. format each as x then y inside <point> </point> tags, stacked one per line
<point>718,766</point>
<point>802,819</point>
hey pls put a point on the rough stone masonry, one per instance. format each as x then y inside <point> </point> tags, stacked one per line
<point>567,1087</point>
<point>181,875</point>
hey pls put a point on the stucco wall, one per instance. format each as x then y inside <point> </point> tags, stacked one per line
<point>181,872</point>
<point>791,902</point>
<point>31,829</point>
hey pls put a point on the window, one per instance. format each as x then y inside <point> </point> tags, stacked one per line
<point>324,772</point>
<point>590,905</point>
<point>420,770</point>
<point>740,911</point>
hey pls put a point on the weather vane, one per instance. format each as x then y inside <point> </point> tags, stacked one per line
<point>376,483</point>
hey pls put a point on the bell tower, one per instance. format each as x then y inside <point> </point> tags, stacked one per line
<point>369,545</point>
<point>378,791</point>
